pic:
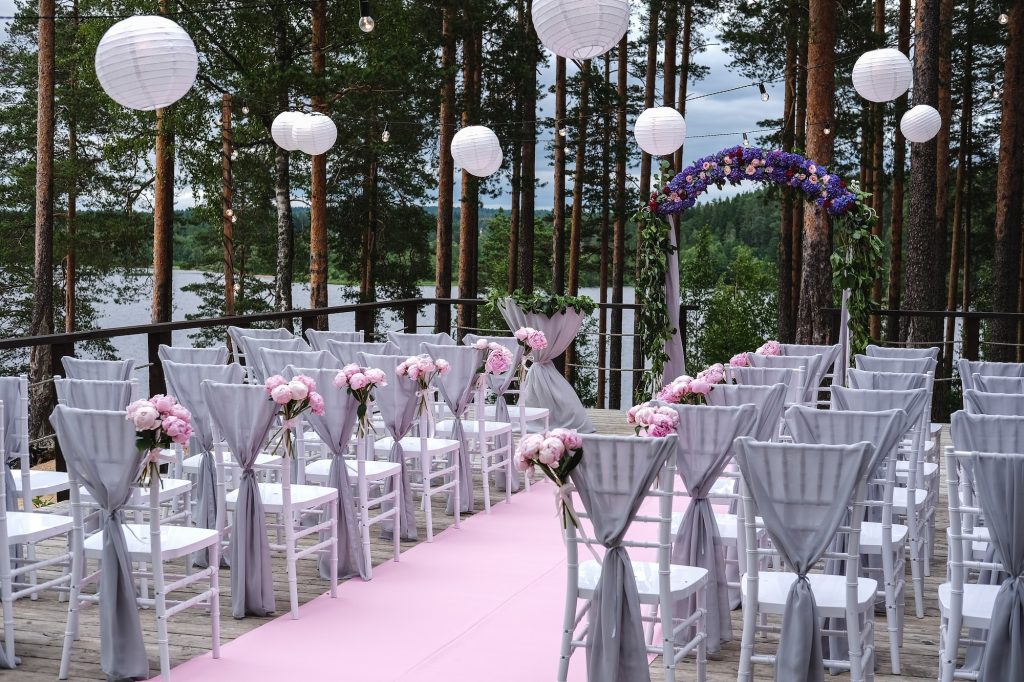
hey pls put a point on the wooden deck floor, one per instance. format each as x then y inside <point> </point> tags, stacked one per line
<point>39,625</point>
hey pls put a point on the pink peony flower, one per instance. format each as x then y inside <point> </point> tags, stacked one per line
<point>442,366</point>
<point>298,390</point>
<point>282,394</point>
<point>498,361</point>
<point>522,333</point>
<point>145,416</point>
<point>537,340</point>
<point>180,412</point>
<point>306,381</point>
<point>530,445</point>
<point>316,403</point>
<point>770,348</point>
<point>551,450</point>
<point>358,381</point>
<point>739,360</point>
<point>163,403</point>
<point>569,438</point>
<point>521,463</point>
<point>700,386</point>
<point>376,376</point>
<point>273,382</point>
<point>481,344</point>
<point>340,380</point>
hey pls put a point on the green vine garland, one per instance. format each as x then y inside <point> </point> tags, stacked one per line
<point>542,303</point>
<point>856,262</point>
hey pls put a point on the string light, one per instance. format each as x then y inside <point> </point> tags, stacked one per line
<point>229,213</point>
<point>562,132</point>
<point>746,140</point>
<point>366,22</point>
<point>1004,18</point>
<point>234,154</point>
<point>764,92</point>
<point>234,219</point>
<point>245,111</point>
<point>386,135</point>
<point>827,129</point>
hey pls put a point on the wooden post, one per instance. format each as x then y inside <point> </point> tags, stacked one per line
<point>619,230</point>
<point>227,212</point>
<point>558,185</point>
<point>163,214</point>
<point>410,317</point>
<point>318,174</point>
<point>157,384</point>
<point>445,171</point>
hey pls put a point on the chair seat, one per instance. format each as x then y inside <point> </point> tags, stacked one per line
<point>684,580</point>
<point>979,600</point>
<point>43,482</point>
<point>35,526</point>
<point>871,536</point>
<point>726,525</point>
<point>303,496</point>
<point>934,428</point>
<point>471,426</point>
<point>190,465</point>
<point>318,471</point>
<point>169,489</point>
<point>903,468</point>
<point>899,499</point>
<point>829,592</point>
<point>175,541</point>
<point>411,445</point>
<point>529,413</point>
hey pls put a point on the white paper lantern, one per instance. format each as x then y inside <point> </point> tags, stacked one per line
<point>580,29</point>
<point>283,129</point>
<point>921,123</point>
<point>882,75</point>
<point>146,62</point>
<point>660,130</point>
<point>314,133</point>
<point>477,151</point>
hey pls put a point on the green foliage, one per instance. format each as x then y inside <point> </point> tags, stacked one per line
<point>856,262</point>
<point>493,261</point>
<point>543,303</point>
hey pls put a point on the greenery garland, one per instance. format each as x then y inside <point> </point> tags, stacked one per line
<point>856,262</point>
<point>542,303</point>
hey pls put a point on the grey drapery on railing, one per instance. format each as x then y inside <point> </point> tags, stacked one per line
<point>397,404</point>
<point>185,381</point>
<point>545,386</point>
<point>499,384</point>
<point>968,368</point>
<point>89,394</point>
<point>318,339</point>
<point>457,389</point>
<point>802,493</point>
<point>704,448</point>
<point>348,352</point>
<point>1011,385</point>
<point>675,365</point>
<point>275,361</point>
<point>101,455</point>
<point>216,355</point>
<point>243,415</point>
<point>612,479</point>
<point>97,370</point>
<point>409,344</point>
<point>10,394</point>
<point>885,381</point>
<point>1005,404</point>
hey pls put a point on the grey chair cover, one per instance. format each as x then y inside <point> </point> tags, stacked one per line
<point>239,334</point>
<point>274,361</point>
<point>812,366</point>
<point>913,402</point>
<point>768,401</point>
<point>987,433</point>
<point>762,376</point>
<point>968,368</point>
<point>801,492</point>
<point>883,429</point>
<point>991,384</point>
<point>675,363</point>
<point>101,455</point>
<point>889,381</point>
<point>217,355</point>
<point>397,404</point>
<point>457,390</point>
<point>243,415</point>
<point>184,382</point>
<point>89,394</point>
<point>897,365</point>
<point>829,355</point>
<point>891,352</point>
<point>544,385</point>
<point>99,370</point>
<point>335,429</point>
<point>1006,404</point>
<point>10,394</point>
<point>254,357</point>
<point>612,479</point>
<point>499,385</point>
<point>348,352</point>
<point>409,344</point>
<point>318,339</point>
<point>704,448</point>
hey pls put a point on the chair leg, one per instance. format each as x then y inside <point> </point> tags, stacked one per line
<point>364,530</point>
<point>485,475</point>
<point>458,482</point>
<point>214,554</point>
<point>289,558</point>
<point>702,632</point>
<point>333,547</point>
<point>428,507</point>
<point>891,615</point>
<point>947,662</point>
<point>161,634</point>
<point>396,538</point>
<point>5,590</point>
<point>744,673</point>
<point>918,579</point>
<point>568,622</point>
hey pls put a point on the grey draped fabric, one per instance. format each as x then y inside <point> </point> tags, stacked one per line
<point>704,448</point>
<point>239,334</point>
<point>762,376</point>
<point>1000,483</point>
<point>348,352</point>
<point>457,390</point>
<point>883,429</point>
<point>335,428</point>
<point>991,384</point>
<point>10,395</point>
<point>897,365</point>
<point>243,415</point>
<point>184,382</point>
<point>499,385</point>
<point>914,402</point>
<point>986,433</point>
<point>968,368</point>
<point>612,478</point>
<point>889,381</point>
<point>811,365</point>
<point>768,401</point>
<point>98,370</point>
<point>409,344</point>
<point>254,357</point>
<point>274,361</point>
<point>1004,404</point>
<point>829,356</point>
<point>544,385</point>
<point>217,355</point>
<point>890,352</point>
<point>318,339</point>
<point>801,492</point>
<point>675,365</point>
<point>397,405</point>
<point>88,394</point>
<point>101,455</point>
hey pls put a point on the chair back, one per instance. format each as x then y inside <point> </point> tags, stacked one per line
<point>768,401</point>
<point>87,394</point>
<point>1006,404</point>
<point>993,384</point>
<point>807,366</point>
<point>886,381</point>
<point>14,398</point>
<point>185,383</point>
<point>348,352</point>
<point>238,335</point>
<point>874,351</point>
<point>968,368</point>
<point>217,355</point>
<point>897,365</point>
<point>97,370</point>
<point>254,359</point>
<point>275,361</point>
<point>410,344</point>
<point>499,383</point>
<point>829,356</point>
<point>769,376</point>
<point>318,338</point>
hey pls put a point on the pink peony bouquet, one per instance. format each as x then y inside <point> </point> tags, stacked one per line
<point>556,453</point>
<point>497,358</point>
<point>770,348</point>
<point>293,398</point>
<point>739,360</point>
<point>693,390</point>
<point>360,382</point>
<point>159,422</point>
<point>531,340</point>
<point>656,421</point>
<point>422,369</point>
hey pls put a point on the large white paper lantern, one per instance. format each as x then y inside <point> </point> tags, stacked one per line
<point>921,123</point>
<point>882,75</point>
<point>314,134</point>
<point>477,151</point>
<point>146,62</point>
<point>283,129</point>
<point>660,131</point>
<point>580,29</point>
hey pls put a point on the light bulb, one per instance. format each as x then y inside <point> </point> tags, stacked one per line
<point>229,212</point>
<point>234,154</point>
<point>1004,18</point>
<point>562,132</point>
<point>245,111</point>
<point>827,130</point>
<point>366,24</point>
<point>764,92</point>
<point>746,140</point>
<point>385,136</point>
<point>234,219</point>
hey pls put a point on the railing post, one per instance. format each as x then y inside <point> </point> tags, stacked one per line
<point>972,337</point>
<point>410,317</point>
<point>157,384</point>
<point>58,351</point>
<point>309,322</point>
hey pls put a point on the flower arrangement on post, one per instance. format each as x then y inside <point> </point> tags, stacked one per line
<point>360,382</point>
<point>530,340</point>
<point>422,369</point>
<point>656,421</point>
<point>556,453</point>
<point>293,397</point>
<point>159,422</point>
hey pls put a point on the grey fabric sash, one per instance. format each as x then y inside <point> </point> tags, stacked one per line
<point>544,385</point>
<point>768,401</point>
<point>813,367</point>
<point>612,478</point>
<point>217,355</point>
<point>184,382</point>
<point>1004,404</point>
<point>968,368</point>
<point>986,433</point>
<point>675,365</point>
<point>274,361</point>
<point>10,395</point>
<point>704,448</point>
<point>397,404</point>
<point>101,455</point>
<point>991,384</point>
<point>243,415</point>
<point>802,492</point>
<point>88,394</point>
<point>456,389</point>
<point>410,344</point>
<point>889,381</point>
<point>318,339</point>
<point>895,365</point>
<point>499,385</point>
<point>348,352</point>
<point>890,352</point>
<point>254,357</point>
<point>98,370</point>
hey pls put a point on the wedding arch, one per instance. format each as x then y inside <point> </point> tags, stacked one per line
<point>856,257</point>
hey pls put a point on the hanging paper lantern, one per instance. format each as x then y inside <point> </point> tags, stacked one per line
<point>660,130</point>
<point>477,151</point>
<point>314,134</point>
<point>882,75</point>
<point>146,62</point>
<point>580,29</point>
<point>283,129</point>
<point>921,123</point>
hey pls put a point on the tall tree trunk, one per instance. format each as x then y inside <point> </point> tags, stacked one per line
<point>163,214</point>
<point>816,286</point>
<point>227,212</point>
<point>445,172</point>
<point>513,216</point>
<point>945,95</point>
<point>318,175</point>
<point>285,257</point>
<point>529,181</point>
<point>650,85</point>
<point>786,322</point>
<point>367,275</point>
<point>877,168</point>
<point>579,178</point>
<point>899,155</point>
<point>602,324</point>
<point>684,75</point>
<point>71,262</point>
<point>619,236</point>
<point>470,199</point>
<point>558,209</point>
<point>799,138</point>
